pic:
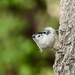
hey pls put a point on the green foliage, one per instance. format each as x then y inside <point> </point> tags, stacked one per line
<point>4,3</point>
<point>17,50</point>
<point>23,4</point>
<point>46,71</point>
<point>9,24</point>
<point>26,4</point>
<point>25,70</point>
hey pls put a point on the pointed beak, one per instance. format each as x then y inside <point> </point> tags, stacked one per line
<point>33,36</point>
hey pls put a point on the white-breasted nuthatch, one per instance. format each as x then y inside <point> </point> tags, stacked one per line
<point>45,38</point>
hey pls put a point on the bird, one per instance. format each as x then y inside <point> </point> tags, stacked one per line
<point>46,38</point>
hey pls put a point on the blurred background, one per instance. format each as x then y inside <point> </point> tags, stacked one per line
<point>19,19</point>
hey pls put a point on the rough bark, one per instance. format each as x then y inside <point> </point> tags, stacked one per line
<point>65,56</point>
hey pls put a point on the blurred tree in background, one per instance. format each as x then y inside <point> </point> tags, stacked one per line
<point>19,19</point>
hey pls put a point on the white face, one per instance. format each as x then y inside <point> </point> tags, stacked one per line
<point>38,37</point>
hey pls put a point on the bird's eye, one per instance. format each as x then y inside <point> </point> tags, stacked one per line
<point>44,32</point>
<point>38,35</point>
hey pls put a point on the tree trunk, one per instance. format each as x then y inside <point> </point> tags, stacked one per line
<point>65,56</point>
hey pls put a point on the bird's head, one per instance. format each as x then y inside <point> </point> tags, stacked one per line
<point>44,38</point>
<point>40,35</point>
